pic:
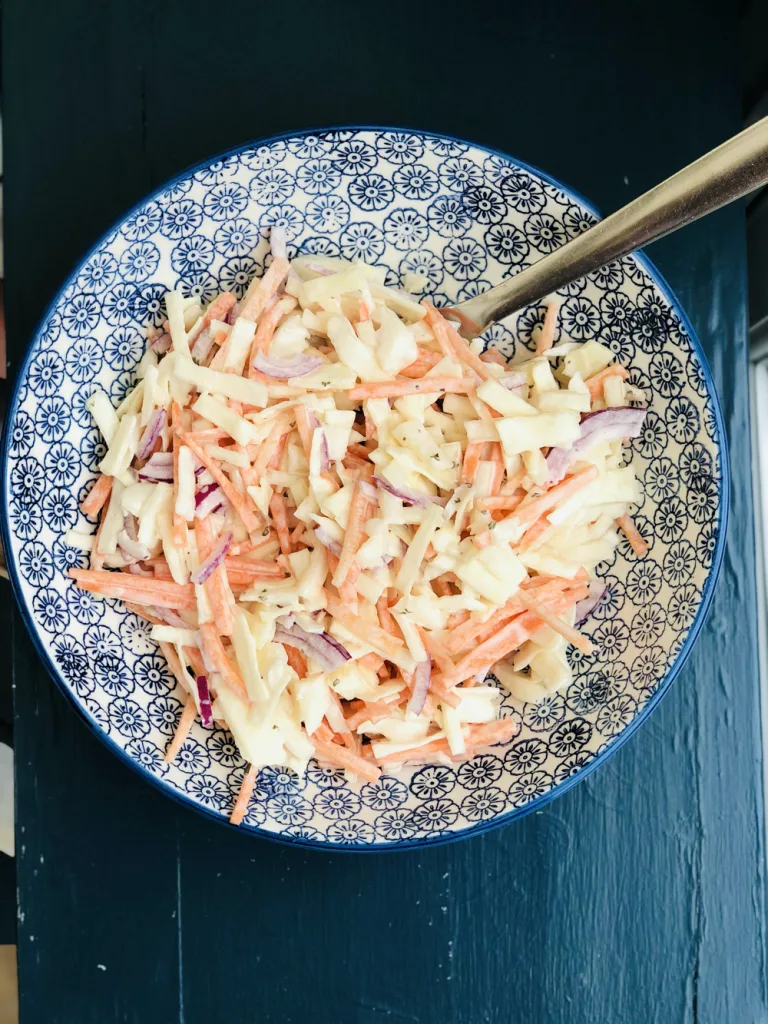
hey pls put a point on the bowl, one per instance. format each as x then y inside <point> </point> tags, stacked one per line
<point>463,218</point>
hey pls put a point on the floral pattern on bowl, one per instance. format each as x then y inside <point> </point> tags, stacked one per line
<point>463,218</point>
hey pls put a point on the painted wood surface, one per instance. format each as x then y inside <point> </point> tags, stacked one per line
<point>637,897</point>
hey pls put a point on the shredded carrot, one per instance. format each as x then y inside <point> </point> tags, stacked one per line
<point>497,458</point>
<point>97,496</point>
<point>443,691</point>
<point>161,570</point>
<point>304,428</point>
<point>296,660</point>
<point>463,635</point>
<point>415,753</point>
<point>371,662</point>
<point>386,618</point>
<point>595,383</point>
<point>186,722</point>
<point>458,345</point>
<point>264,332</point>
<point>370,429</point>
<point>487,734</point>
<point>217,657</point>
<point>348,738</point>
<point>631,532</point>
<point>277,456</point>
<point>555,495</point>
<point>353,536</point>
<point>240,809</point>
<point>219,308</point>
<point>175,665</point>
<point>573,636</point>
<point>195,659</point>
<point>345,759</point>
<point>279,518</point>
<point>137,589</point>
<point>436,650</point>
<point>424,386</point>
<point>500,731</point>
<point>370,712</point>
<point>267,450</point>
<point>507,638</point>
<point>361,628</point>
<point>482,411</point>
<point>534,533</point>
<point>546,337</point>
<point>457,619</point>
<point>241,504</point>
<point>500,502</point>
<point>216,586</point>
<point>265,289</point>
<point>492,355</point>
<point>250,546</point>
<point>423,362</point>
<point>473,632</point>
<point>144,614</point>
<point>471,462</point>
<point>213,436</point>
<point>296,535</point>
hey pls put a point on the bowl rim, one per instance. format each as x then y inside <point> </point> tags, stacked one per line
<point>557,790</point>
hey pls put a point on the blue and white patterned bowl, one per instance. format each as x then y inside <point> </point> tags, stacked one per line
<point>464,218</point>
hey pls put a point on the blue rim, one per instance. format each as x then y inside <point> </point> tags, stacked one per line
<point>560,788</point>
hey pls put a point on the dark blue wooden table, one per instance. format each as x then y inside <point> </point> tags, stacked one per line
<point>638,897</point>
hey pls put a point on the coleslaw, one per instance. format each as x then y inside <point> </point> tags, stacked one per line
<point>351,530</point>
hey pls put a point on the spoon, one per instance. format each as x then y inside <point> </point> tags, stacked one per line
<point>729,172</point>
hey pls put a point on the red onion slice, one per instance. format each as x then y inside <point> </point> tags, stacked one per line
<point>202,346</point>
<point>325,455</point>
<point>409,496</point>
<point>151,433</point>
<point>513,381</point>
<point>325,650</point>
<point>336,644</point>
<point>129,525</point>
<point>586,607</point>
<point>172,618</point>
<point>161,343</point>
<point>596,427</point>
<point>159,468</point>
<point>209,668</point>
<point>320,269</point>
<point>209,499</point>
<point>214,560</point>
<point>368,490</point>
<point>328,541</point>
<point>137,570</point>
<point>271,366</point>
<point>204,696</point>
<point>131,549</point>
<point>421,680</point>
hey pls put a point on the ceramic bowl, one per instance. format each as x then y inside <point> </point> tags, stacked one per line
<point>462,217</point>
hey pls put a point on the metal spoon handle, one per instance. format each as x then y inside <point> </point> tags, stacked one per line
<point>729,172</point>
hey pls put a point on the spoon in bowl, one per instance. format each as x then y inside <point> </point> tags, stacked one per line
<point>731,171</point>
